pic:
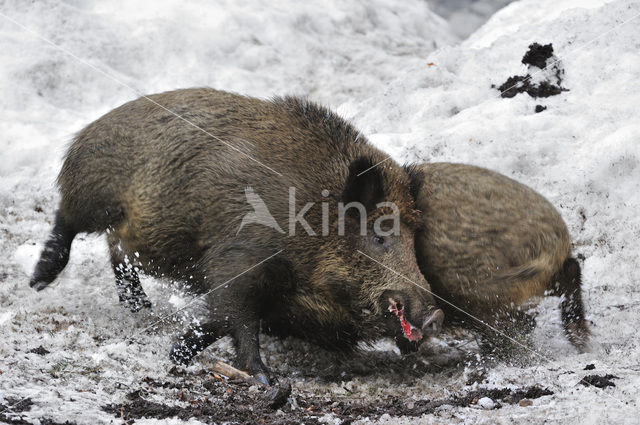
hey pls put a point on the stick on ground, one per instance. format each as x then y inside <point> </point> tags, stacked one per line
<point>233,373</point>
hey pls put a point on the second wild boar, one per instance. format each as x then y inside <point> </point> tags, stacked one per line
<point>489,244</point>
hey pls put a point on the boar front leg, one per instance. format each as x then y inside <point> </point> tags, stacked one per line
<point>234,309</point>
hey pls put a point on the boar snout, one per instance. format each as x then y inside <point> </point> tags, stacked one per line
<point>431,321</point>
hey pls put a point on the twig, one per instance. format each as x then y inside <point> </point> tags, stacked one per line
<point>124,421</point>
<point>233,373</point>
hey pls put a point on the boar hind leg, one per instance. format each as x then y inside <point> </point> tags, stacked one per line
<point>566,283</point>
<point>128,285</point>
<point>248,349</point>
<point>55,254</point>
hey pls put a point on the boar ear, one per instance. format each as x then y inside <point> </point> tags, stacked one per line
<point>364,183</point>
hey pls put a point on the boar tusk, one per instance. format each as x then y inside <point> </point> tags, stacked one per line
<point>433,324</point>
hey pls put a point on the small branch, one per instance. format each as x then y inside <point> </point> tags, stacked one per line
<point>124,421</point>
<point>233,373</point>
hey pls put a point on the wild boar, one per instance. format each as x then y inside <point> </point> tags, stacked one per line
<point>489,244</point>
<point>276,210</point>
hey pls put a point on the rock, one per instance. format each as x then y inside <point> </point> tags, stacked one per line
<point>276,396</point>
<point>525,402</point>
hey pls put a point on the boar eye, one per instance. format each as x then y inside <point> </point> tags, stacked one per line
<point>379,240</point>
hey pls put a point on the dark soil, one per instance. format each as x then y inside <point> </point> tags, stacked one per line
<point>10,413</point>
<point>16,405</point>
<point>337,367</point>
<point>238,403</point>
<point>19,421</point>
<point>537,56</point>
<point>41,351</point>
<point>519,84</point>
<point>599,381</point>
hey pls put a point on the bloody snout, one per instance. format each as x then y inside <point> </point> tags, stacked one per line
<point>431,321</point>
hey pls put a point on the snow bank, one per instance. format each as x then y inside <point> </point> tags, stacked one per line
<point>112,52</point>
<point>582,151</point>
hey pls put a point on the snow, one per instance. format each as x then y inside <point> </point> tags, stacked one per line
<point>26,256</point>
<point>486,403</point>
<point>369,60</point>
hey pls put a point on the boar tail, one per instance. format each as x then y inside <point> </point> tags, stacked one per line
<point>526,272</point>
<point>55,255</point>
<point>518,284</point>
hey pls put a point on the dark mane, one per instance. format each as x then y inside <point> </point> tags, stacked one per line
<point>318,118</point>
<point>416,178</point>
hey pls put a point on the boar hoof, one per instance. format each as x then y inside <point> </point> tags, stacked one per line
<point>37,284</point>
<point>578,334</point>
<point>262,378</point>
<point>257,370</point>
<point>433,324</point>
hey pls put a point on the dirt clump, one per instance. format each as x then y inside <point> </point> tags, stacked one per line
<point>540,57</point>
<point>600,381</point>
<point>538,54</point>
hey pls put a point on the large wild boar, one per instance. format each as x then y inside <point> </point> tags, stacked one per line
<point>197,185</point>
<point>489,244</point>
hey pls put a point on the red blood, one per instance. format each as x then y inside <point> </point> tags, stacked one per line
<point>411,334</point>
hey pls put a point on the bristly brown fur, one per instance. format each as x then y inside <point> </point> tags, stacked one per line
<point>490,244</point>
<point>172,199</point>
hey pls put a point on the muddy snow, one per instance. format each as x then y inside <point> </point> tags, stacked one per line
<point>406,78</point>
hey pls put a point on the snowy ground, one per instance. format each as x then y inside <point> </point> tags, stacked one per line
<point>403,76</point>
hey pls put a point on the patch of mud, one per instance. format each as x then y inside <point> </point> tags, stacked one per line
<point>10,413</point>
<point>599,381</point>
<point>544,78</point>
<point>538,54</point>
<point>41,351</point>
<point>16,405</point>
<point>519,84</point>
<point>239,402</point>
<point>20,421</point>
